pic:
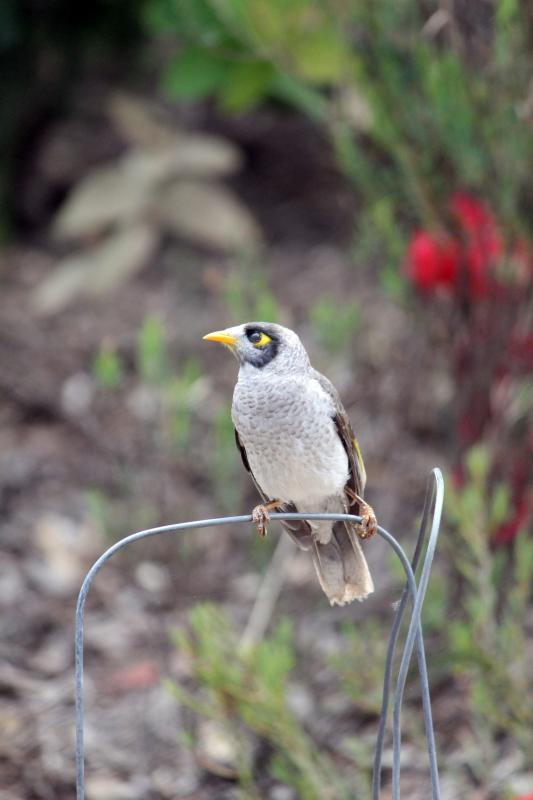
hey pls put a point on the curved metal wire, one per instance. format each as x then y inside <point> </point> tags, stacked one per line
<point>433,507</point>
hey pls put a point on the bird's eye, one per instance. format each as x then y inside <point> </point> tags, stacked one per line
<point>258,339</point>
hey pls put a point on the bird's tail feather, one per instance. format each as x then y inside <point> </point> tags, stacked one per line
<point>341,566</point>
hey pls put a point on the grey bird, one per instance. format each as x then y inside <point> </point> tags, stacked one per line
<point>296,441</point>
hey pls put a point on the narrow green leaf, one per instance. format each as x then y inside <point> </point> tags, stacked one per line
<point>500,505</point>
<point>195,73</point>
<point>320,57</point>
<point>245,84</point>
<point>107,368</point>
<point>296,93</point>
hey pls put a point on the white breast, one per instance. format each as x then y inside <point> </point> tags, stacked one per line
<point>286,426</point>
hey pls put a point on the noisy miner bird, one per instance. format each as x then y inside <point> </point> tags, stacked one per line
<point>296,441</point>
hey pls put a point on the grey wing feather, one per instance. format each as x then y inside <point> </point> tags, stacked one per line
<point>300,531</point>
<point>357,478</point>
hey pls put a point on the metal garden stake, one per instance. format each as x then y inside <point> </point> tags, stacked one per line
<point>413,591</point>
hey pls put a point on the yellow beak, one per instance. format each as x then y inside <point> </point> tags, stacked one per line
<point>221,336</point>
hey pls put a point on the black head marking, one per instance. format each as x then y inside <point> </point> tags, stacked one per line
<point>260,356</point>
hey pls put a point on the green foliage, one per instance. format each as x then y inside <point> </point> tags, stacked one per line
<point>439,115</point>
<point>195,74</point>
<point>245,692</point>
<point>151,351</point>
<point>245,84</point>
<point>487,633</point>
<point>335,322</point>
<point>175,393</point>
<point>179,395</point>
<point>107,368</point>
<point>242,53</point>
<point>320,55</point>
<point>360,665</point>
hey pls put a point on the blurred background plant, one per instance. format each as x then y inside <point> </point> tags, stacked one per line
<point>246,692</point>
<point>361,172</point>
<point>412,105</point>
<point>488,638</point>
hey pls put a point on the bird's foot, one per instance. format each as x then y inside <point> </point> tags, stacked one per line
<point>369,524</point>
<point>261,515</point>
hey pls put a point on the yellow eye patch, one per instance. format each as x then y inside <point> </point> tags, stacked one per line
<point>262,340</point>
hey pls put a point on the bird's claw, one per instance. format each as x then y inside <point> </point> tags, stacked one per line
<point>261,517</point>
<point>369,524</point>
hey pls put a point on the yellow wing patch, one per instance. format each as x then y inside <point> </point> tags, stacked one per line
<point>360,459</point>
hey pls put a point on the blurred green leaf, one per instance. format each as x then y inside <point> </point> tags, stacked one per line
<point>524,561</point>
<point>320,56</point>
<point>179,394</point>
<point>392,281</point>
<point>190,19</point>
<point>107,368</point>
<point>506,11</point>
<point>499,508</point>
<point>151,351</point>
<point>268,20</point>
<point>245,84</point>
<point>478,463</point>
<point>274,659</point>
<point>195,73</point>
<point>299,94</point>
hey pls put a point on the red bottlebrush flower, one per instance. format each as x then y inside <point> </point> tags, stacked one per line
<point>474,259</point>
<point>432,262</point>
<point>472,215</point>
<point>483,244</point>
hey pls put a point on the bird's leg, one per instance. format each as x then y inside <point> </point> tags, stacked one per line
<point>353,497</point>
<point>369,524</point>
<point>261,516</point>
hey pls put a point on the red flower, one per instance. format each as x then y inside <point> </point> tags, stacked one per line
<point>482,242</point>
<point>433,262</point>
<point>473,216</point>
<point>439,262</point>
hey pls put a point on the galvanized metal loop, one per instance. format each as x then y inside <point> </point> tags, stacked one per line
<point>432,511</point>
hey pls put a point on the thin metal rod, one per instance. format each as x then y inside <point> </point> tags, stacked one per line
<point>434,479</point>
<point>414,629</point>
<point>376,777</point>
